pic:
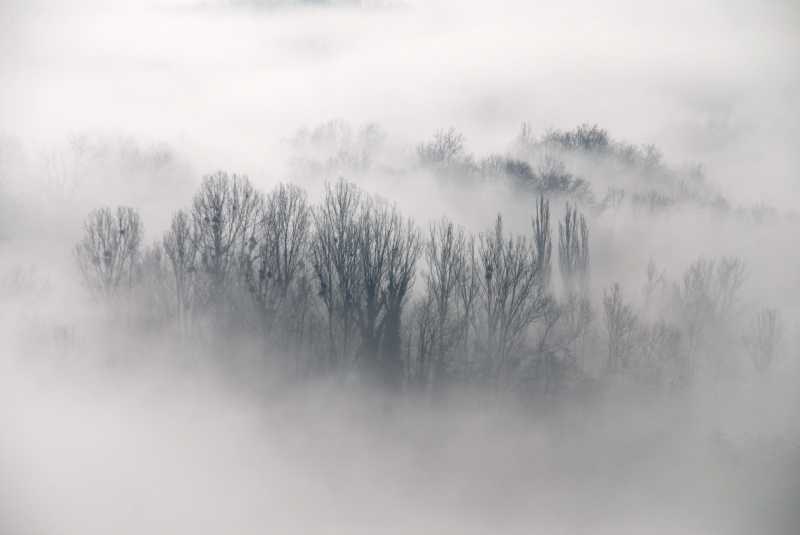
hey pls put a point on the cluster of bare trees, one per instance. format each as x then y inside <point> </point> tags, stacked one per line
<point>350,284</point>
<point>698,324</point>
<point>364,257</point>
<point>564,164</point>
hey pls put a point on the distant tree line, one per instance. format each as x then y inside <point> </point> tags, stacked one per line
<point>557,163</point>
<point>584,165</point>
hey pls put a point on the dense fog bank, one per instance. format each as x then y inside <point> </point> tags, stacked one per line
<point>162,450</point>
<point>399,266</point>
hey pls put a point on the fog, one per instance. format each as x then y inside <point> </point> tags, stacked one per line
<point>176,457</point>
<point>702,80</point>
<point>641,377</point>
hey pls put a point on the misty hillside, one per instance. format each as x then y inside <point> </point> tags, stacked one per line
<point>399,267</point>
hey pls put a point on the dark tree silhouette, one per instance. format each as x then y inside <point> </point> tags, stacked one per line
<point>447,146</point>
<point>224,216</point>
<point>446,262</point>
<point>334,252</point>
<point>620,323</point>
<point>276,268</point>
<point>512,293</point>
<point>108,253</point>
<point>403,254</point>
<point>180,248</point>
<point>543,239</point>
<point>573,252</point>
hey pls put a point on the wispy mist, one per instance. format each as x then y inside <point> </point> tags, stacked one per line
<point>399,266</point>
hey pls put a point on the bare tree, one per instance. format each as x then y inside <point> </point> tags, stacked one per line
<point>711,287</point>
<point>573,252</point>
<point>334,252</point>
<point>695,298</point>
<point>108,253</point>
<point>156,287</point>
<point>706,299</point>
<point>661,355</point>
<point>335,147</point>
<point>386,250</point>
<point>278,261</point>
<point>424,342</point>
<point>620,322</point>
<point>447,146</point>
<point>512,293</point>
<point>403,254</point>
<point>730,277</point>
<point>469,290</point>
<point>543,242</point>
<point>376,230</point>
<point>445,258</point>
<point>655,291</point>
<point>573,260</point>
<point>586,138</point>
<point>553,178</point>
<point>181,250</point>
<point>224,216</point>
<point>762,338</point>
<point>543,239</point>
<point>285,230</point>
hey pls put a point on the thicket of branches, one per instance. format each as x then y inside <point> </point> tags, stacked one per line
<point>350,285</point>
<point>559,163</point>
<point>584,165</point>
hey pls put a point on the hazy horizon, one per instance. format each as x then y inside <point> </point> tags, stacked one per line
<point>643,376</point>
